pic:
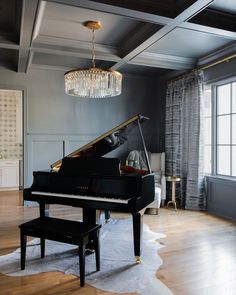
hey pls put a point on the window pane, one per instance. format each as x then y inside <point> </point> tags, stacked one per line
<point>233,160</point>
<point>223,99</point>
<point>223,160</point>
<point>223,129</point>
<point>233,129</point>
<point>207,103</point>
<point>207,159</point>
<point>207,131</point>
<point>234,97</point>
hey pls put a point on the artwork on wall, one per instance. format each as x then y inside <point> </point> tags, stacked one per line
<point>11,124</point>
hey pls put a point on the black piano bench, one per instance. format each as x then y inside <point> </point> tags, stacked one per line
<point>60,230</point>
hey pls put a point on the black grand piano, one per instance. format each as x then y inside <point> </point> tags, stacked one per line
<point>88,180</point>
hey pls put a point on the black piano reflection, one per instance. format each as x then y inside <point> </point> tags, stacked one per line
<point>86,179</point>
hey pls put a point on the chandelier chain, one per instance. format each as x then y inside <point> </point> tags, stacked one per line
<point>93,82</point>
<point>93,48</point>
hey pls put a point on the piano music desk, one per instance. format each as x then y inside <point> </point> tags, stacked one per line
<point>65,231</point>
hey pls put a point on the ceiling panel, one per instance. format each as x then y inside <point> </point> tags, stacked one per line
<point>67,22</point>
<point>218,15</point>
<point>10,13</point>
<point>188,43</point>
<point>225,6</point>
<point>168,8</point>
<point>64,62</point>
<point>142,70</point>
<point>8,58</point>
<point>60,61</point>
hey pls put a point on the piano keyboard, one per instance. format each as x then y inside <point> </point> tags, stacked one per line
<point>80,197</point>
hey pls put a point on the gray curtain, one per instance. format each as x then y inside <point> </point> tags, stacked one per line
<point>184,139</point>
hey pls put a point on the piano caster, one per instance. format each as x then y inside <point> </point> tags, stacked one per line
<point>138,259</point>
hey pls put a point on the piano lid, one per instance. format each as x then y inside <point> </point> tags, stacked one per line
<point>105,143</point>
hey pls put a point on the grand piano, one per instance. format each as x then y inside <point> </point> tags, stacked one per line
<point>88,180</point>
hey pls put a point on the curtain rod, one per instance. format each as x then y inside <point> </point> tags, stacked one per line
<point>226,59</point>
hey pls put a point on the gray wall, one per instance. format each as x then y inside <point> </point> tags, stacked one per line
<point>221,196</point>
<point>220,71</point>
<point>51,117</point>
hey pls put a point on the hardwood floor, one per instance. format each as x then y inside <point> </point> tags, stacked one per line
<point>199,256</point>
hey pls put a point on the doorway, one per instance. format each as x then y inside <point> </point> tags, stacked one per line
<point>11,140</point>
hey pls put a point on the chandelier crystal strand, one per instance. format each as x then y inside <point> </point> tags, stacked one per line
<point>93,82</point>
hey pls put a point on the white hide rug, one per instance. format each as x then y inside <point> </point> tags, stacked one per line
<point>119,272</point>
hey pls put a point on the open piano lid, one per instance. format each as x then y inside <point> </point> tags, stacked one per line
<point>105,143</point>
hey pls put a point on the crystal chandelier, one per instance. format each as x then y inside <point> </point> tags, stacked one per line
<point>93,82</point>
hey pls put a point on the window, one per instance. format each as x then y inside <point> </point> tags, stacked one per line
<point>207,130</point>
<point>220,128</point>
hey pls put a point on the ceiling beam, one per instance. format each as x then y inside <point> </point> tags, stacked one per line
<point>8,45</point>
<point>187,14</point>
<point>28,17</point>
<point>163,61</point>
<point>209,30</point>
<point>58,43</point>
<point>75,52</point>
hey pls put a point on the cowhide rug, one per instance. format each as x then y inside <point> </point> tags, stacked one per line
<point>119,272</point>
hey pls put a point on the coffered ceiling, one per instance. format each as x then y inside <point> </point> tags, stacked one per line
<point>150,37</point>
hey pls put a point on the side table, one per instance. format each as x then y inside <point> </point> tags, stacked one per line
<point>173,179</point>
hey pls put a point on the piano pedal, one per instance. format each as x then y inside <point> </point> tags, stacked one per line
<point>107,214</point>
<point>89,248</point>
<point>89,252</point>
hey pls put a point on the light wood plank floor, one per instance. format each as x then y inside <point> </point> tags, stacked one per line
<point>199,256</point>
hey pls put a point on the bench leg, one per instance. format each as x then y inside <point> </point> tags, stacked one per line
<point>82,264</point>
<point>97,252</point>
<point>42,244</point>
<point>23,239</point>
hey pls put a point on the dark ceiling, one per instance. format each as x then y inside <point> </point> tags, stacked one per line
<point>150,37</point>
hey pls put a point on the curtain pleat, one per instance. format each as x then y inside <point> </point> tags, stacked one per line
<point>184,140</point>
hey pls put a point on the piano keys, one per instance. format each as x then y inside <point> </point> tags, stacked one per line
<point>88,180</point>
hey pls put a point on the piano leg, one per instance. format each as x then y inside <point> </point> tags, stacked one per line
<point>137,233</point>
<point>89,216</point>
<point>42,210</point>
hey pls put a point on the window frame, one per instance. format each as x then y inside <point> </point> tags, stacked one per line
<point>214,113</point>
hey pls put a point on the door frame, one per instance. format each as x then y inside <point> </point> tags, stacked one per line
<point>24,125</point>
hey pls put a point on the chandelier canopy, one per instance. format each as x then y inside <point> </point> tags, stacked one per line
<point>93,82</point>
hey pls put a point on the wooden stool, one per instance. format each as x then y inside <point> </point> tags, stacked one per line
<point>60,230</point>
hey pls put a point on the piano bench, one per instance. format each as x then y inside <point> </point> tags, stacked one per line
<point>60,230</point>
